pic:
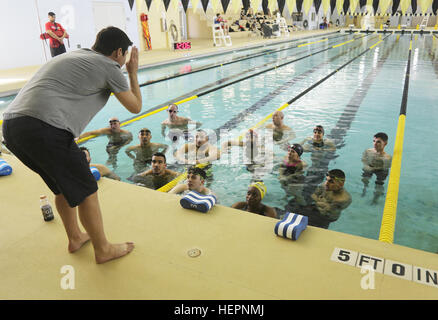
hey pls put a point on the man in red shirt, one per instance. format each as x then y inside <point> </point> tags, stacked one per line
<point>57,35</point>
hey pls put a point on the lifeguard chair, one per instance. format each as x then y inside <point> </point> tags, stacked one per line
<point>282,26</point>
<point>219,35</point>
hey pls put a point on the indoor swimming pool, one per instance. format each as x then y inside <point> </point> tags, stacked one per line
<point>237,90</point>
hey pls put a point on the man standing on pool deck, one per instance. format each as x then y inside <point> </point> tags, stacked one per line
<point>52,109</point>
<point>376,161</point>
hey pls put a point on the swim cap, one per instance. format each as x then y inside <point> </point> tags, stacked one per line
<point>297,148</point>
<point>259,185</point>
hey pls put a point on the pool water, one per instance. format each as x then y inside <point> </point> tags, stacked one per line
<point>353,104</point>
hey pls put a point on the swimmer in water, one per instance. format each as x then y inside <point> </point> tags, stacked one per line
<point>201,151</point>
<point>254,196</point>
<point>142,153</point>
<point>376,161</point>
<point>158,176</point>
<point>291,173</point>
<point>103,170</point>
<point>281,132</point>
<point>195,182</point>
<point>177,125</point>
<point>117,139</point>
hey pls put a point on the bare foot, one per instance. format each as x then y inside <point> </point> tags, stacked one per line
<point>114,251</point>
<point>75,244</point>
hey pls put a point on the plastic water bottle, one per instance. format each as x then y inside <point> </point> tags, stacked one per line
<point>46,208</point>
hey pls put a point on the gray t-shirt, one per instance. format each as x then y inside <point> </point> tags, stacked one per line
<point>69,90</point>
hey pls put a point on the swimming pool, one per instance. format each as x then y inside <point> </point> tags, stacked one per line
<point>361,99</point>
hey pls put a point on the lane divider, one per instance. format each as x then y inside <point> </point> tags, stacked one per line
<point>390,210</point>
<point>213,89</point>
<point>287,104</point>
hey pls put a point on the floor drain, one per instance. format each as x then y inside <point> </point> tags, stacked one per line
<point>194,253</point>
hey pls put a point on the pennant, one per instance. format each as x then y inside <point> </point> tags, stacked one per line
<point>353,5</point>
<point>225,4</point>
<point>131,3</point>
<point>414,6</point>
<point>265,6</point>
<point>204,5</point>
<point>369,7</point>
<point>246,5</point>
<point>346,6</point>
<point>395,4</point>
<point>325,6</point>
<point>362,3</point>
<point>435,6</point>
<point>166,4</point>
<point>272,4</point>
<point>291,5</point>
<point>148,4</point>
<point>236,5</point>
<point>424,4</point>
<point>195,4</point>
<point>299,4</point>
<point>255,4</point>
<point>281,4</point>
<point>306,6</point>
<point>185,4</point>
<point>332,6</point>
<point>317,4</point>
<point>375,6</point>
<point>214,5</point>
<point>384,4</point>
<point>175,5</point>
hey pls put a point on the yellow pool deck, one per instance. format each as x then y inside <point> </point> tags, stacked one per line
<point>241,257</point>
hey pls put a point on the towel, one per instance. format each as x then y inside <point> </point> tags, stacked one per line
<point>196,201</point>
<point>291,226</point>
<point>5,168</point>
<point>95,173</point>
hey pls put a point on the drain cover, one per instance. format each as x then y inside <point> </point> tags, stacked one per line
<point>194,253</point>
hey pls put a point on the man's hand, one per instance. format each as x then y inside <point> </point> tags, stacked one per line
<point>132,64</point>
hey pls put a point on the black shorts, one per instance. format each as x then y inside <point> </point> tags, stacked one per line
<point>380,175</point>
<point>57,51</point>
<point>53,154</point>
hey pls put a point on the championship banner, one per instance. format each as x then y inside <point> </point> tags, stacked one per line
<point>272,5</point>
<point>353,5</point>
<point>225,4</point>
<point>414,6</point>
<point>255,5</point>
<point>281,4</point>
<point>346,6</point>
<point>317,4</point>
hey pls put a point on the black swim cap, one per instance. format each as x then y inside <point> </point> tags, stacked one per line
<point>297,148</point>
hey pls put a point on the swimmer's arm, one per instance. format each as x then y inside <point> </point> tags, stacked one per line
<point>365,161</point>
<point>128,152</point>
<point>95,133</point>
<point>303,143</point>
<point>131,99</point>
<point>163,128</point>
<point>213,154</point>
<point>238,205</point>
<point>331,145</point>
<point>270,212</point>
<point>144,173</point>
<point>105,172</point>
<point>129,135</point>
<point>179,188</point>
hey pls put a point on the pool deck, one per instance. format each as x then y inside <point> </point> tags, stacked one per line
<point>241,257</point>
<point>12,80</point>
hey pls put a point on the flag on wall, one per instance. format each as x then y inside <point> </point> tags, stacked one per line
<point>166,4</point>
<point>384,4</point>
<point>325,6</point>
<point>214,5</point>
<point>353,5</point>
<point>291,5</point>
<point>395,4</point>
<point>332,6</point>
<point>375,6</point>
<point>281,4</point>
<point>185,4</point>
<point>362,3</point>
<point>131,3</point>
<point>272,4</point>
<point>424,4</point>
<point>435,6</point>
<point>414,6</point>
<point>317,5</point>
<point>225,4</point>
<point>148,4</point>
<point>306,5</point>
<point>299,5</point>
<point>404,5</point>
<point>265,6</point>
<point>339,4</point>
<point>346,6</point>
<point>204,5</point>
<point>255,4</point>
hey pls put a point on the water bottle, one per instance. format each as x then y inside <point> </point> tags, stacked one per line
<point>46,208</point>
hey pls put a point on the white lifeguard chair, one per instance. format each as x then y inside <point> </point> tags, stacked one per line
<point>282,26</point>
<point>219,35</point>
